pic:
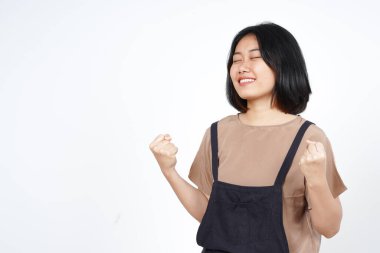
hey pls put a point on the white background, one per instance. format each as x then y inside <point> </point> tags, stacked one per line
<point>85,86</point>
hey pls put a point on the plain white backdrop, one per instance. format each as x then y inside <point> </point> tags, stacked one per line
<point>85,86</point>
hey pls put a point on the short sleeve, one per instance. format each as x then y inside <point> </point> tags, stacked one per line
<point>200,170</point>
<point>334,180</point>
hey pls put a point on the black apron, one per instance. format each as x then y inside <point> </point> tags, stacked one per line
<point>245,219</point>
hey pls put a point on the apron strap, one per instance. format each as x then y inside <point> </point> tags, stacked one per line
<point>214,150</point>
<point>291,153</point>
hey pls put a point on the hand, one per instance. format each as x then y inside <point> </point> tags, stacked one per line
<point>313,162</point>
<point>164,152</point>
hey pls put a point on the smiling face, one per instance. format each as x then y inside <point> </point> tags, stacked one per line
<point>252,78</point>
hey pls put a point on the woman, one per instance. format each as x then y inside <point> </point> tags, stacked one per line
<point>266,177</point>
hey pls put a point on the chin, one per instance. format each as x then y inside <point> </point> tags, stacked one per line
<point>249,96</point>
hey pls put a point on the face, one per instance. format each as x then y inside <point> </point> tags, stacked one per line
<point>250,75</point>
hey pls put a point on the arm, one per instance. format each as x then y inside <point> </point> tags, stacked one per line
<point>191,198</point>
<point>326,212</point>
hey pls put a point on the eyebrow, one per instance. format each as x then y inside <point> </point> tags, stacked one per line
<point>255,49</point>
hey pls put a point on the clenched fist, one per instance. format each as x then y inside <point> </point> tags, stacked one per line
<point>165,152</point>
<point>313,162</point>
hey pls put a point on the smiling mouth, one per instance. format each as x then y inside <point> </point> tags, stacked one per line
<point>246,81</point>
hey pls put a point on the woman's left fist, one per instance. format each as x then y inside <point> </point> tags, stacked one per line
<point>313,161</point>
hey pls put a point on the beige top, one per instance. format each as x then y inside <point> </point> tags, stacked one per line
<point>252,156</point>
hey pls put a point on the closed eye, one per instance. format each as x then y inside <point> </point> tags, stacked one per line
<point>249,58</point>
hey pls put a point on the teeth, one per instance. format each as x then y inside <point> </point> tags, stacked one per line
<point>246,80</point>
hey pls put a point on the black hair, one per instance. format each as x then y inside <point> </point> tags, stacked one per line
<point>281,52</point>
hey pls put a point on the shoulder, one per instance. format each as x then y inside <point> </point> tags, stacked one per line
<point>222,122</point>
<point>315,132</point>
<point>226,119</point>
<point>225,123</point>
<point>231,121</point>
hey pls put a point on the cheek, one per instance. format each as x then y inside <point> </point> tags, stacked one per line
<point>272,77</point>
<point>267,72</point>
<point>232,73</point>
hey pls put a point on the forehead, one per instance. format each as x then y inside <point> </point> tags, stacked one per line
<point>247,43</point>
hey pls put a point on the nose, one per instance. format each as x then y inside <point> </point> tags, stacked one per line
<point>242,71</point>
<point>243,67</point>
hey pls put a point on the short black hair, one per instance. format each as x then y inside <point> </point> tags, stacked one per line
<point>281,52</point>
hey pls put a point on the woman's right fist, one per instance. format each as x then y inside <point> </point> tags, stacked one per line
<point>165,152</point>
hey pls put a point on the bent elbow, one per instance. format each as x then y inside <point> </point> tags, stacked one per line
<point>329,233</point>
<point>328,229</point>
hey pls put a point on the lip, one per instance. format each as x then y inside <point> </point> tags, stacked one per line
<point>246,77</point>
<point>245,84</point>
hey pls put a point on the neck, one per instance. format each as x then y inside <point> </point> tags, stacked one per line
<point>264,114</point>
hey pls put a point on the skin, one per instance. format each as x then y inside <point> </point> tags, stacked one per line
<point>326,212</point>
<point>194,201</point>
